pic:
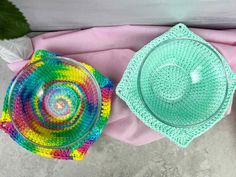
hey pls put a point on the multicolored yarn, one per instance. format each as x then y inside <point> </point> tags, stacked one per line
<point>57,111</point>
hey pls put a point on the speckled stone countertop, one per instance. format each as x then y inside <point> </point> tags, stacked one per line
<point>211,155</point>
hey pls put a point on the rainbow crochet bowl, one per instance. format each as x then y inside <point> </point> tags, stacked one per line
<point>57,107</point>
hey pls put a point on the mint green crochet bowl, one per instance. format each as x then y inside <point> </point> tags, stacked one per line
<point>182,82</point>
<point>178,84</point>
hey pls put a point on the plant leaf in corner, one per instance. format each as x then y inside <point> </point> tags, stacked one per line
<point>12,22</point>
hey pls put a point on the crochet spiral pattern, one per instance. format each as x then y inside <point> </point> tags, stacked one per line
<point>57,107</point>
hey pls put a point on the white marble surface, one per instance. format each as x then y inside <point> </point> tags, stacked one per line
<point>211,155</point>
<point>46,15</point>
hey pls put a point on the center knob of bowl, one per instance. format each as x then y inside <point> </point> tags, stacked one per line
<point>61,101</point>
<point>170,82</point>
<point>60,104</point>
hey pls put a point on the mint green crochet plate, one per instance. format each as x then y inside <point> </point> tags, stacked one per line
<point>178,84</point>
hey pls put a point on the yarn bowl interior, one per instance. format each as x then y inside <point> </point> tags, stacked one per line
<point>182,82</point>
<point>54,102</point>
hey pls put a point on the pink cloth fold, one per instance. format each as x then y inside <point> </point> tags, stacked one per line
<point>109,50</point>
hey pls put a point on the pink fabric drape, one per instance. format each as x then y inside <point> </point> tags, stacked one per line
<point>109,49</point>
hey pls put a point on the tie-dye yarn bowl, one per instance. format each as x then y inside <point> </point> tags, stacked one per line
<point>54,102</point>
<point>183,82</point>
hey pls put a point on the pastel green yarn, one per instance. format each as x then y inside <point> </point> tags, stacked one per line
<point>178,85</point>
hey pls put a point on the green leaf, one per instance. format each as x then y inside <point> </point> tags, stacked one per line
<point>12,22</point>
